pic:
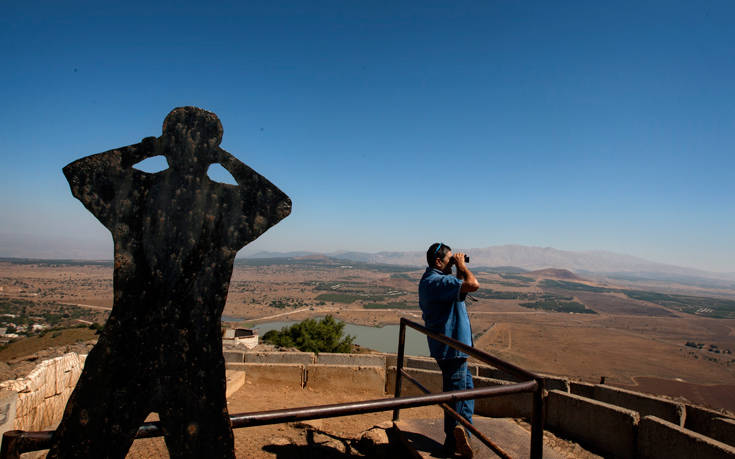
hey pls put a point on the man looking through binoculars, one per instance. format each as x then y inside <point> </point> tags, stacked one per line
<point>441,298</point>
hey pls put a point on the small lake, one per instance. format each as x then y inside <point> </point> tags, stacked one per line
<point>383,339</point>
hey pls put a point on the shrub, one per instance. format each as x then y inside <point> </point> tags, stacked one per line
<point>312,335</point>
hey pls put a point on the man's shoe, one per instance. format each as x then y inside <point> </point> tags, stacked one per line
<point>462,442</point>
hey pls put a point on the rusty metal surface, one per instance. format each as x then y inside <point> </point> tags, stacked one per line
<point>399,365</point>
<point>16,442</point>
<point>468,425</point>
<point>371,406</point>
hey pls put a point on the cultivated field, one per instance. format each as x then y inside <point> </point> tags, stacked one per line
<point>652,338</point>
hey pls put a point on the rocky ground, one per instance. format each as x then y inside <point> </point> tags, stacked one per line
<point>364,435</point>
<point>22,366</point>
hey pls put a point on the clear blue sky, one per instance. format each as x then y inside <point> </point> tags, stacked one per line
<point>575,125</point>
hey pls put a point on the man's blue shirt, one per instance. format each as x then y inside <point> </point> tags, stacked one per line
<point>444,312</point>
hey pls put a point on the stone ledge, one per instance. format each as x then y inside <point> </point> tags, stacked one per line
<point>591,423</point>
<point>421,363</point>
<point>358,378</point>
<point>303,358</point>
<point>582,389</point>
<point>555,383</point>
<point>235,380</point>
<point>364,360</point>
<point>645,405</point>
<point>8,403</point>
<point>234,356</point>
<point>430,379</point>
<point>287,374</point>
<point>486,371</point>
<point>518,405</point>
<point>723,429</point>
<point>703,420</point>
<point>659,439</point>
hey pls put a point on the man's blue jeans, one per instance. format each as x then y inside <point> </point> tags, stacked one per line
<point>455,376</point>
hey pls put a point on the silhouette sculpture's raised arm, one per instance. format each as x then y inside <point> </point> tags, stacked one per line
<point>262,204</point>
<point>94,179</point>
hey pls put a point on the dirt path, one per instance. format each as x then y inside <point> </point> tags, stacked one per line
<point>295,311</point>
<point>510,339</point>
<point>275,441</point>
<point>88,306</point>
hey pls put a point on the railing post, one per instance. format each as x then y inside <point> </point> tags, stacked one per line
<point>399,363</point>
<point>537,421</point>
<point>11,442</point>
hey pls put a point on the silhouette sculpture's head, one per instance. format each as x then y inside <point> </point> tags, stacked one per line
<point>191,137</point>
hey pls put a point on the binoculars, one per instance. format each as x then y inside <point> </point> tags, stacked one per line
<point>466,259</point>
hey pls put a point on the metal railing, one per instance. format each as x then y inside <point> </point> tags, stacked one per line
<point>16,442</point>
<point>532,383</point>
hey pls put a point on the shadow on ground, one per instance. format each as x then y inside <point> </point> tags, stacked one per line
<point>320,444</point>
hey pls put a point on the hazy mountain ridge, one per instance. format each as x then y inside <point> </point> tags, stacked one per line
<point>536,258</point>
<point>514,257</point>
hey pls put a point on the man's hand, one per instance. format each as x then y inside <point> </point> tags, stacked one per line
<point>469,283</point>
<point>459,260</point>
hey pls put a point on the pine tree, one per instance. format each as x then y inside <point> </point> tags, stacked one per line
<point>311,335</point>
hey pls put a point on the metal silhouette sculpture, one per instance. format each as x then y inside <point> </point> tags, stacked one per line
<point>176,233</point>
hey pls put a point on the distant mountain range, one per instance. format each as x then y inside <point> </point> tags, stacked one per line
<point>536,258</point>
<point>505,258</point>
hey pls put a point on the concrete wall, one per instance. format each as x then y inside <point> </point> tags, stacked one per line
<point>430,379</point>
<point>235,380</point>
<point>303,358</point>
<point>503,406</point>
<point>364,360</point>
<point>422,363</point>
<point>600,417</point>
<point>486,371</point>
<point>590,421</point>
<point>710,423</point>
<point>556,383</point>
<point>645,405</point>
<point>582,389</point>
<point>603,428</point>
<point>659,439</point>
<point>361,378</point>
<point>513,405</point>
<point>234,356</point>
<point>723,429</point>
<point>284,374</point>
<point>42,395</point>
<point>8,402</point>
<point>428,363</point>
<point>340,377</point>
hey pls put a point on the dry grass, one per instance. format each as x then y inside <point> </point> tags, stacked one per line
<point>53,338</point>
<point>628,338</point>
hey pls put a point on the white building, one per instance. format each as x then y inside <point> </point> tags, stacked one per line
<point>242,337</point>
